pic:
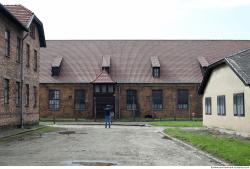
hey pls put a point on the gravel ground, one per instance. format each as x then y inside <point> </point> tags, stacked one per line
<point>95,145</point>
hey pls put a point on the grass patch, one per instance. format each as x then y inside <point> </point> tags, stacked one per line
<point>64,120</point>
<point>30,134</point>
<point>177,123</point>
<point>232,149</point>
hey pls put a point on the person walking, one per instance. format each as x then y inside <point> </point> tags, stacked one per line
<point>107,111</point>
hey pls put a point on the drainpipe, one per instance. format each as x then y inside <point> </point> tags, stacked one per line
<point>22,81</point>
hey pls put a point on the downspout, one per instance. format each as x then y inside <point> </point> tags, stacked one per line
<point>22,81</point>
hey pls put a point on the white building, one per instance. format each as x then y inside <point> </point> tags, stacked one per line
<point>226,94</point>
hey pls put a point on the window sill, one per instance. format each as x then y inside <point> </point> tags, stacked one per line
<point>182,109</point>
<point>53,110</point>
<point>239,115</point>
<point>157,109</point>
<point>131,109</point>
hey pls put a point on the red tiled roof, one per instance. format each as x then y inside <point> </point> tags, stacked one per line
<point>130,59</point>
<point>103,77</point>
<point>21,13</point>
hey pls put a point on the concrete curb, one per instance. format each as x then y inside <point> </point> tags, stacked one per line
<point>114,124</point>
<point>197,150</point>
<point>22,132</point>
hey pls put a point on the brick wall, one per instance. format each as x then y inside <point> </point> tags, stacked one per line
<point>10,114</point>
<point>66,100</point>
<point>144,92</point>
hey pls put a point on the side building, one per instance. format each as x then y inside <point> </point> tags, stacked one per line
<point>140,78</point>
<point>226,94</point>
<point>21,36</point>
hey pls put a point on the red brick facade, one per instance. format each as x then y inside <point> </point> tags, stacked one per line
<point>10,68</point>
<point>144,93</point>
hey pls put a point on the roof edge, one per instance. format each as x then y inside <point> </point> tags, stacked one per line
<point>13,18</point>
<point>42,39</point>
<point>213,66</point>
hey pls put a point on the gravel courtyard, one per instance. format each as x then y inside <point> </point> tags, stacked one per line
<point>95,145</point>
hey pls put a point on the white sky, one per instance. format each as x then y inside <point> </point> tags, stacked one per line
<point>142,19</point>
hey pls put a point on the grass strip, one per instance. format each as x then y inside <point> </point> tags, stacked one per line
<point>232,149</point>
<point>177,123</point>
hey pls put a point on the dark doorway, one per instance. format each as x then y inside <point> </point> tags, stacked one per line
<point>104,95</point>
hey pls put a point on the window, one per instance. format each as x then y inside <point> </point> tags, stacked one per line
<point>7,42</point>
<point>97,89</point>
<point>35,96</point>
<point>35,60</point>
<point>6,91</point>
<point>157,99</point>
<point>110,88</point>
<point>33,31</point>
<point>18,94</point>
<point>27,95</point>
<point>131,100</point>
<point>208,109</point>
<point>182,102</point>
<point>104,88</point>
<point>106,69</point>
<point>239,107</point>
<point>79,99</point>
<point>27,55</point>
<point>54,100</point>
<point>156,72</point>
<point>18,49</point>
<point>221,105</point>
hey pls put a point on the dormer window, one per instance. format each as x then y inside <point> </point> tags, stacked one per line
<point>56,66</point>
<point>106,63</point>
<point>106,69</point>
<point>156,72</point>
<point>155,63</point>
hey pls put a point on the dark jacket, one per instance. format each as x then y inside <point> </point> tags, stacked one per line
<point>107,111</point>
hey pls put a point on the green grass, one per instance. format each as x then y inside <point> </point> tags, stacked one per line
<point>177,123</point>
<point>65,120</point>
<point>30,134</point>
<point>232,149</point>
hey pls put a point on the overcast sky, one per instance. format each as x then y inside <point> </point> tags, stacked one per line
<point>142,19</point>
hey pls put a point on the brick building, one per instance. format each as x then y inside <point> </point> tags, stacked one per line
<point>140,78</point>
<point>21,36</point>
